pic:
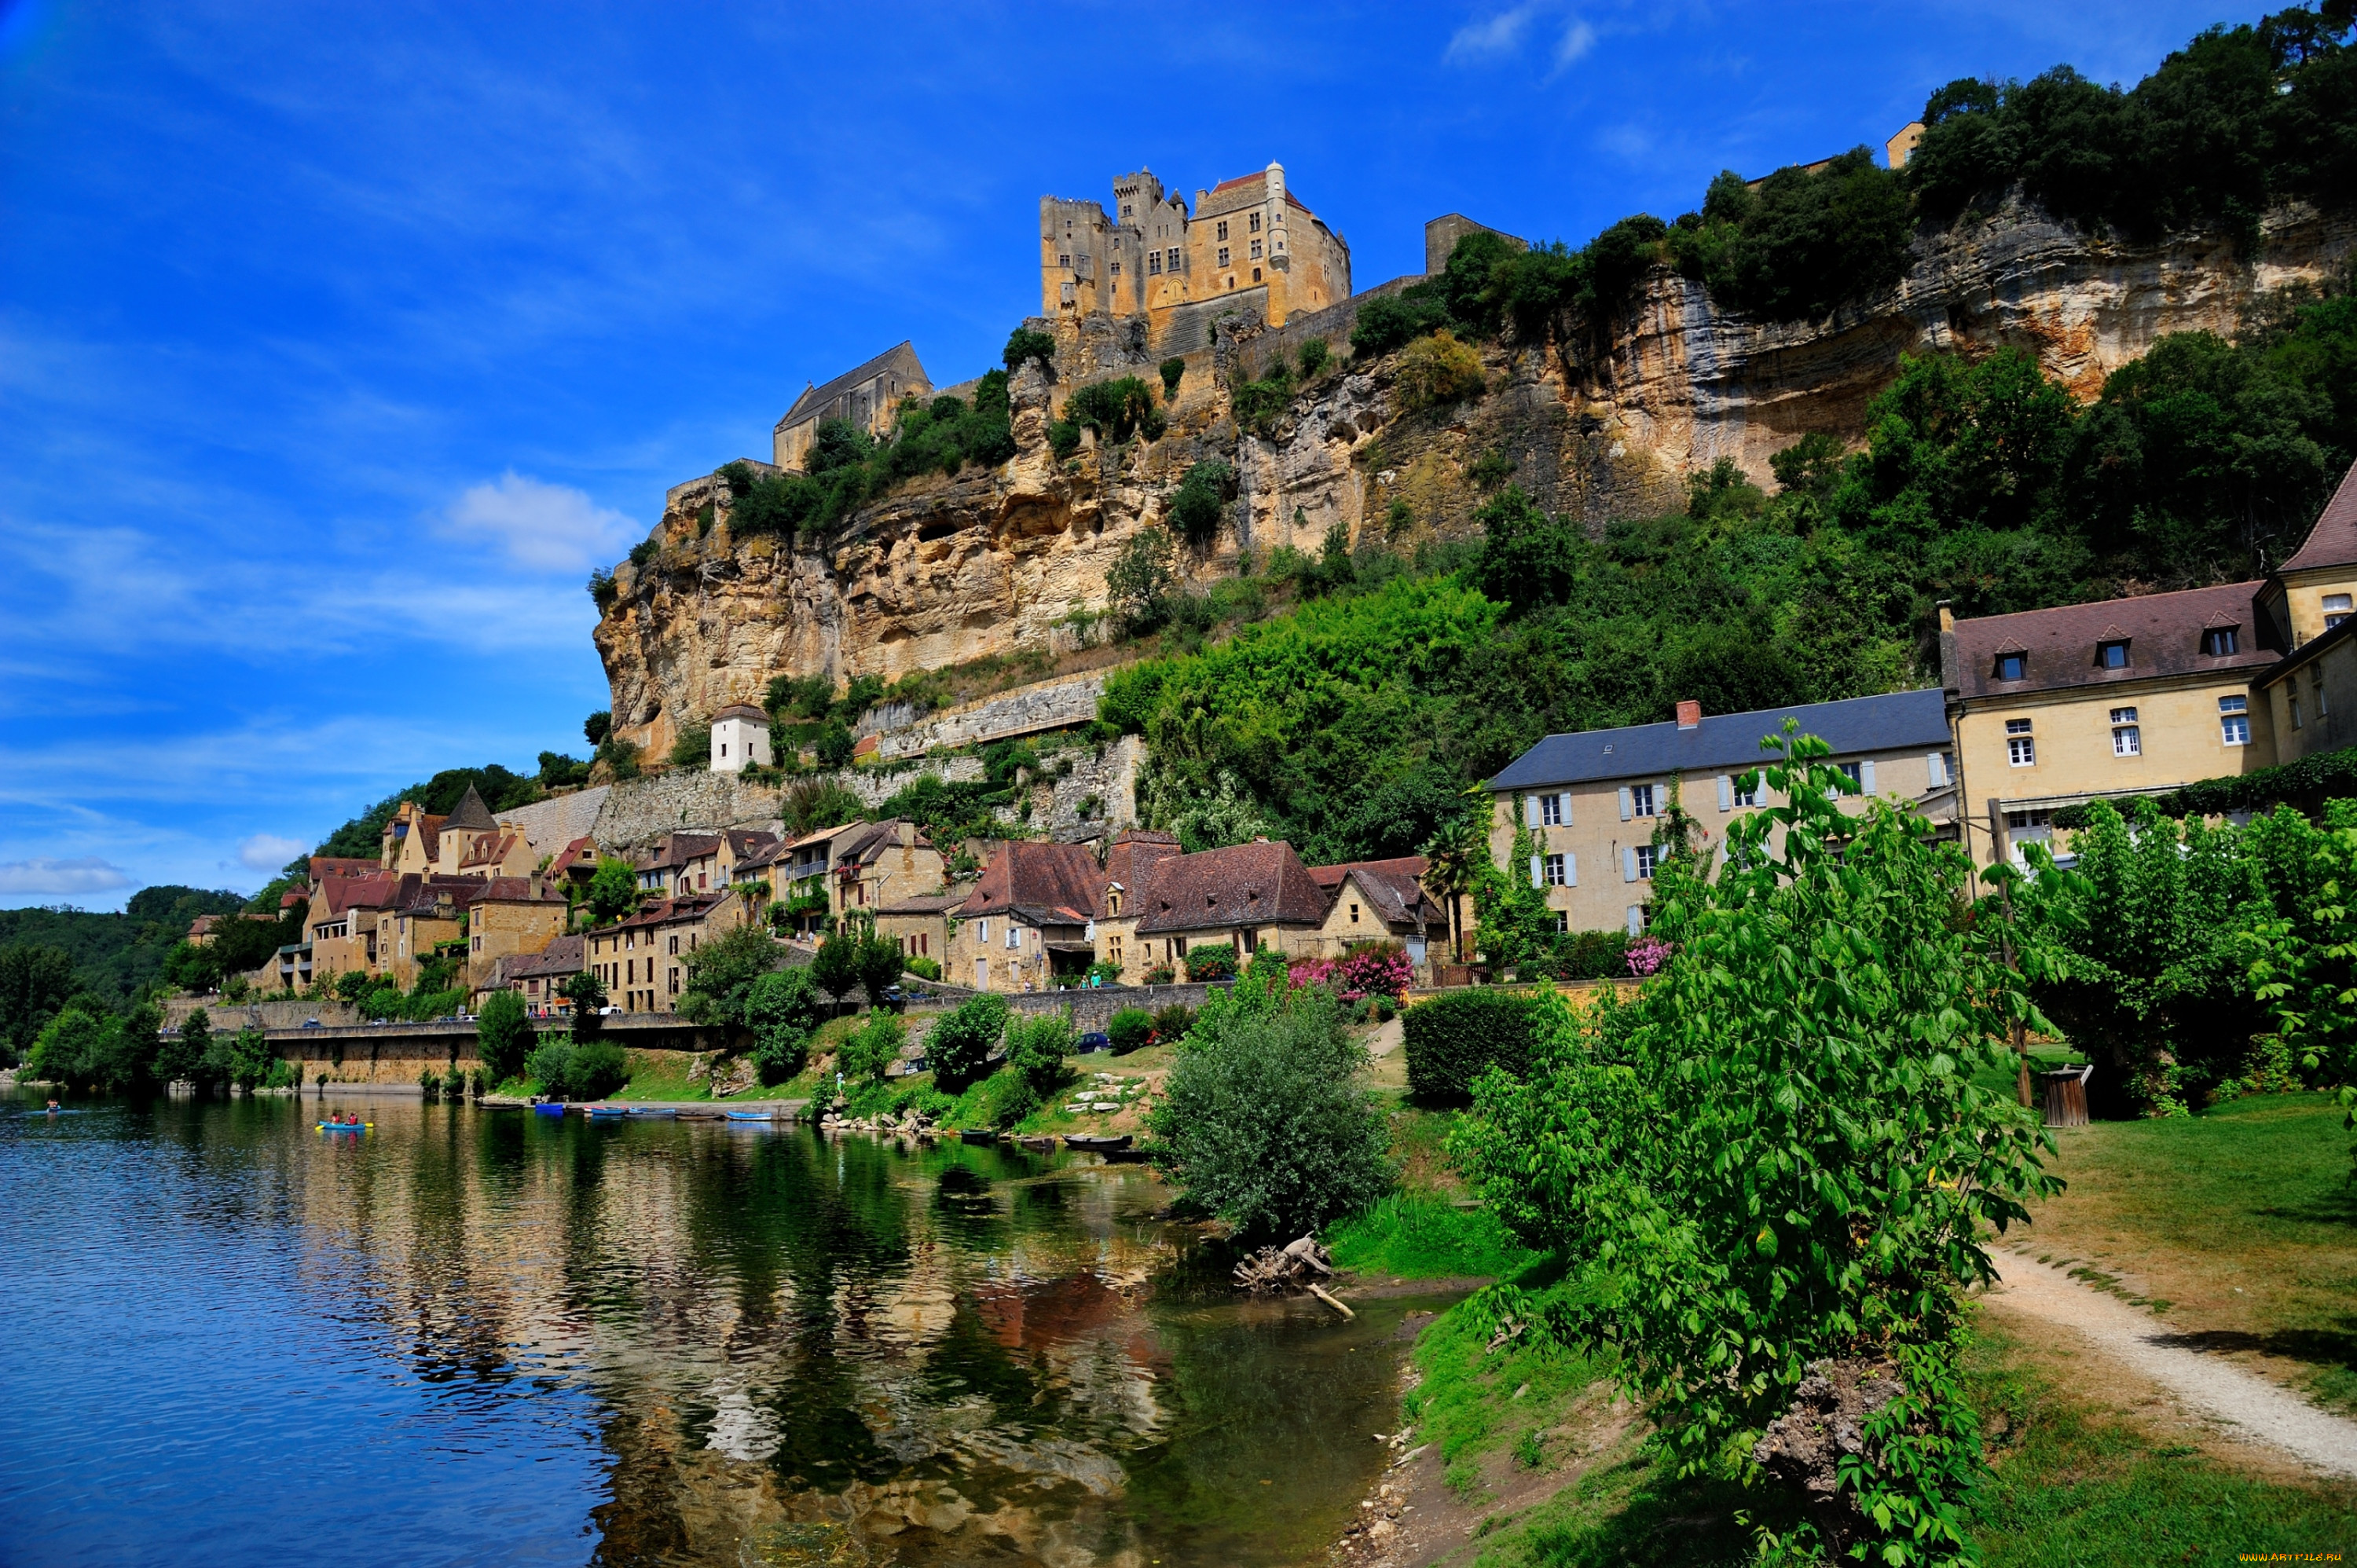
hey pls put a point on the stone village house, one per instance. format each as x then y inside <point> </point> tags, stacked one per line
<point>642,957</point>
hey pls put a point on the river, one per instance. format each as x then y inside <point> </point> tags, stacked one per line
<point>487,1336</point>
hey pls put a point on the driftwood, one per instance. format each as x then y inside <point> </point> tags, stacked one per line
<point>1288,1271</point>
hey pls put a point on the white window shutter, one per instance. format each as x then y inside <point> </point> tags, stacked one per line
<point>1538,873</point>
<point>1627,865</point>
<point>1530,811</point>
<point>1865,775</point>
<point>1936,765</point>
<point>1725,793</point>
<point>1570,870</point>
<point>1628,807</point>
<point>1636,919</point>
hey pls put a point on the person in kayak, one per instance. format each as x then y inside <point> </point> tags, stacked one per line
<point>53,1107</point>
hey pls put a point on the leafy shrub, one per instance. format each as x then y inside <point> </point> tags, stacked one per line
<point>721,974</point>
<point>1314,355</point>
<point>922,967</point>
<point>1160,975</point>
<point>870,1050</point>
<point>835,966</point>
<point>1064,438</point>
<point>503,1034</point>
<point>1171,1023</point>
<point>962,1039</point>
<point>1036,1047</point>
<point>1391,322</point>
<point>586,993</point>
<point>1139,582</point>
<point>1211,961</point>
<point>1024,344</point>
<point>1198,504</point>
<point>1589,955</point>
<point>602,588</point>
<point>558,771</point>
<point>784,1011</point>
<point>1456,1036</point>
<point>569,1070</point>
<point>1260,405</point>
<point>694,746</point>
<point>1130,1030</point>
<point>1173,369</point>
<point>1115,410</point>
<point>1264,1123</point>
<point>620,758</point>
<point>1438,369</point>
<point>1803,243</point>
<point>644,551</point>
<point>1717,1209</point>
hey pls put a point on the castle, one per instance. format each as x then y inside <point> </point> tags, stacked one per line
<point>1251,245</point>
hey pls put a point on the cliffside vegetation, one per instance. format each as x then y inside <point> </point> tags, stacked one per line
<point>1353,722</point>
<point>2238,119</point>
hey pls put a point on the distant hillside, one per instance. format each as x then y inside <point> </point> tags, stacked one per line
<point>115,954</point>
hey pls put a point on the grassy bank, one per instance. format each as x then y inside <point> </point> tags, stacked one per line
<point>2254,1197</point>
<point>2238,1226</point>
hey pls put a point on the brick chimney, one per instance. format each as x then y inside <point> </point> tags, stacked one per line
<point>1689,714</point>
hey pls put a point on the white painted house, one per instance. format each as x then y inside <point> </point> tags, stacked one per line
<point>739,734</point>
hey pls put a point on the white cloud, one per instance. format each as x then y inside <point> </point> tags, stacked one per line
<point>1487,39</point>
<point>42,875</point>
<point>1577,39</point>
<point>551,527</point>
<point>267,852</point>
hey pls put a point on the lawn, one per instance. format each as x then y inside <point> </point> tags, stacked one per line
<point>2238,1227</point>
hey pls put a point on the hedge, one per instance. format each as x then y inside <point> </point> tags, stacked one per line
<point>2306,784</point>
<point>1455,1038</point>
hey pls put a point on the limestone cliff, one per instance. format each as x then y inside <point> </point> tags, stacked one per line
<point>946,571</point>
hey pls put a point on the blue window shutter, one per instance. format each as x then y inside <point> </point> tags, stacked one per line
<point>1570,870</point>
<point>1627,808</point>
<point>1865,775</point>
<point>1636,919</point>
<point>1725,793</point>
<point>1530,811</point>
<point>1627,865</point>
<point>1538,872</point>
<point>1935,766</point>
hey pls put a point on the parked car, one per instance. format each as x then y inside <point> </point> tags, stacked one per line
<point>311,1023</point>
<point>1095,1041</point>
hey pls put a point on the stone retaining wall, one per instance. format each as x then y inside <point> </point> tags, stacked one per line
<point>1028,710</point>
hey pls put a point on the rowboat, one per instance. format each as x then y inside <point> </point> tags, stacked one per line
<point>601,1113</point>
<point>1099,1142</point>
<point>654,1111</point>
<point>978,1135</point>
<point>750,1115</point>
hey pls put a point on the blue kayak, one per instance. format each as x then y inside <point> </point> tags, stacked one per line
<point>751,1115</point>
<point>605,1111</point>
<point>548,1110</point>
<point>345,1126</point>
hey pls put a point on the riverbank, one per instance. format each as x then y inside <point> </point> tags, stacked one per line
<point>1515,1456</point>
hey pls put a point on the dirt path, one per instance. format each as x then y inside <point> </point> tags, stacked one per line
<point>2260,1411</point>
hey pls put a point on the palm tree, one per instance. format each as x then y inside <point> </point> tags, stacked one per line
<point>1454,856</point>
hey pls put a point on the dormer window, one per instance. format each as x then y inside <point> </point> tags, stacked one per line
<point>2012,666</point>
<point>2221,640</point>
<point>2112,655</point>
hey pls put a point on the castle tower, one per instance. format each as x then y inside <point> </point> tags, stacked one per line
<point>1278,257</point>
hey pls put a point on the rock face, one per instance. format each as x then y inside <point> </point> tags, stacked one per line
<point>944,571</point>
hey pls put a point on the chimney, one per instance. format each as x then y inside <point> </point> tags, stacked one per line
<point>1689,714</point>
<point>1947,615</point>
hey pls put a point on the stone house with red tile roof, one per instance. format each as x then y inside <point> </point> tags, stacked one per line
<point>1376,900</point>
<point>538,976</point>
<point>1029,922</point>
<point>1249,894</point>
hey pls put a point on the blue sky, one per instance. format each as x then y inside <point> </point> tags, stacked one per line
<point>337,343</point>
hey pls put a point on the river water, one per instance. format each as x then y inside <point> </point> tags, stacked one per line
<point>488,1336</point>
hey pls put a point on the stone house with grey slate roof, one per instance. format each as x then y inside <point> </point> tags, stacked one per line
<point>865,395</point>
<point>1594,799</point>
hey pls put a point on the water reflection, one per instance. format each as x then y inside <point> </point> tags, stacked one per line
<point>790,1349</point>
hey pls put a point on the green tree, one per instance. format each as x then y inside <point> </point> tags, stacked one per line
<point>1140,581</point>
<point>76,1048</point>
<point>693,748</point>
<point>184,1056</point>
<point>1528,559</point>
<point>1024,344</point>
<point>870,1050</point>
<point>1776,1160</point>
<point>1263,1123</point>
<point>962,1039</point>
<point>586,993</point>
<point>34,983</point>
<point>721,974</point>
<point>1454,856</point>
<point>503,1036</point>
<point>835,745</point>
<point>613,890</point>
<point>835,965</point>
<point>1199,503</point>
<point>784,1011</point>
<point>244,1058</point>
<point>1036,1047</point>
<point>880,963</point>
<point>597,726</point>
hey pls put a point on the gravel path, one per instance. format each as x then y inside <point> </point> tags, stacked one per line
<point>2261,1411</point>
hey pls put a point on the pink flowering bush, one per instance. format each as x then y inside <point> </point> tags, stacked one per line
<point>1646,956</point>
<point>1371,972</point>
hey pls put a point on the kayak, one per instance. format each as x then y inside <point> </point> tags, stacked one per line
<point>602,1111</point>
<point>751,1115</point>
<point>657,1111</point>
<point>346,1126</point>
<point>557,1109</point>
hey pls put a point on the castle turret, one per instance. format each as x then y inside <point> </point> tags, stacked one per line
<point>1279,257</point>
